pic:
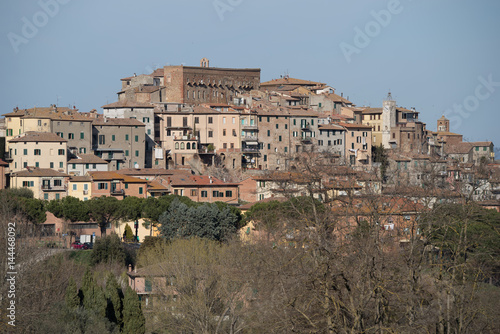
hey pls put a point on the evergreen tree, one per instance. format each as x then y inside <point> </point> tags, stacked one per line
<point>133,319</point>
<point>93,296</point>
<point>114,298</point>
<point>72,298</point>
<point>129,234</point>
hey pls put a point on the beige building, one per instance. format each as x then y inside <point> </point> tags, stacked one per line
<point>373,118</point>
<point>80,187</point>
<point>45,183</point>
<point>358,144</point>
<point>38,149</point>
<point>65,122</point>
<point>84,163</point>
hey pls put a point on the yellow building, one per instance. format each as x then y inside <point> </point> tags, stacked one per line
<point>38,149</point>
<point>45,183</point>
<point>373,118</point>
<point>80,187</point>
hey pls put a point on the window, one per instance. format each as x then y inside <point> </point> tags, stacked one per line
<point>224,145</point>
<point>182,146</point>
<point>61,164</point>
<point>177,145</point>
<point>25,151</point>
<point>215,193</point>
<point>265,157</point>
<point>268,146</point>
<point>268,118</point>
<point>210,133</point>
<point>57,183</point>
<point>286,126</point>
<point>136,139</point>
<point>229,193</point>
<point>268,133</point>
<point>136,153</point>
<point>45,196</point>
<point>126,185</point>
<point>126,137</point>
<point>196,120</point>
<point>140,190</point>
<point>204,193</point>
<point>145,120</point>
<point>82,135</point>
<point>86,166</point>
<point>286,149</point>
<point>57,196</point>
<point>277,126</point>
<point>71,136</point>
<point>126,153</point>
<point>210,120</point>
<point>234,133</point>
<point>234,120</point>
<point>294,122</point>
<point>279,138</point>
<point>477,148</point>
<point>102,186</point>
<point>102,140</point>
<point>51,165</point>
<point>60,152</point>
<point>224,132</point>
<point>223,120</point>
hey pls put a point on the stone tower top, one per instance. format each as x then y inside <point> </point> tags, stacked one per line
<point>204,62</point>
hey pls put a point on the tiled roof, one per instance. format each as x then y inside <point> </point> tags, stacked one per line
<point>118,122</point>
<point>127,104</point>
<point>131,179</point>
<point>458,148</point>
<point>84,178</point>
<point>53,113</point>
<point>3,163</point>
<point>481,143</point>
<point>337,98</point>
<point>156,186</point>
<point>87,159</point>
<point>330,127</point>
<point>38,136</point>
<point>372,111</point>
<point>196,180</point>
<point>39,172</point>
<point>291,81</point>
<point>355,126</point>
<point>96,176</point>
<point>148,171</point>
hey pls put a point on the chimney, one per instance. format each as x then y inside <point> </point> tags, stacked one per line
<point>129,268</point>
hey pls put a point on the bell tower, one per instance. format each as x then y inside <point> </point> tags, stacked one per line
<point>388,119</point>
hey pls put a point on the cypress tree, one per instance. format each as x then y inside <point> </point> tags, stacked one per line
<point>93,296</point>
<point>114,298</point>
<point>133,319</point>
<point>72,298</point>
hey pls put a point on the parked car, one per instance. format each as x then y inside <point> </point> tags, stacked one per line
<point>78,245</point>
<point>89,245</point>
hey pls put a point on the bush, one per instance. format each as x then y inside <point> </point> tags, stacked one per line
<point>108,249</point>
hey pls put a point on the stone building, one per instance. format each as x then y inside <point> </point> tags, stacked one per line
<point>119,141</point>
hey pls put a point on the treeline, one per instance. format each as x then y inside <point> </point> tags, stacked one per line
<point>302,276</point>
<point>216,221</point>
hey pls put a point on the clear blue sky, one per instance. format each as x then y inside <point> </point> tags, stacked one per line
<point>431,54</point>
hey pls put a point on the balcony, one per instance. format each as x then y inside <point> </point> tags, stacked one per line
<point>48,187</point>
<point>251,150</point>
<point>306,140</point>
<point>7,156</point>
<point>187,137</point>
<point>306,127</point>
<point>117,192</point>
<point>85,192</point>
<point>249,138</point>
<point>247,127</point>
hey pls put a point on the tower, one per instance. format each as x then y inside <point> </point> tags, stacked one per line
<point>388,119</point>
<point>443,124</point>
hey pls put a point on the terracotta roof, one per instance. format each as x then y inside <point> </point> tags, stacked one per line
<point>131,179</point>
<point>38,136</point>
<point>291,81</point>
<point>481,143</point>
<point>156,186</point>
<point>105,176</point>
<point>337,98</point>
<point>87,159</point>
<point>118,121</point>
<point>355,126</point>
<point>159,72</point>
<point>372,111</point>
<point>84,178</point>
<point>330,127</point>
<point>458,148</point>
<point>127,104</point>
<point>39,172</point>
<point>3,163</point>
<point>196,180</point>
<point>148,171</point>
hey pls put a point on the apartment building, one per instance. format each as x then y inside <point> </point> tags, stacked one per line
<point>84,163</point>
<point>358,144</point>
<point>45,183</point>
<point>37,149</point>
<point>120,142</point>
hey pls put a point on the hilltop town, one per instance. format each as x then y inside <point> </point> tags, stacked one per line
<point>315,199</point>
<point>228,133</point>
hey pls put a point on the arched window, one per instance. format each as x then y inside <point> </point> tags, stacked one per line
<point>188,146</point>
<point>182,146</point>
<point>194,146</point>
<point>176,146</point>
